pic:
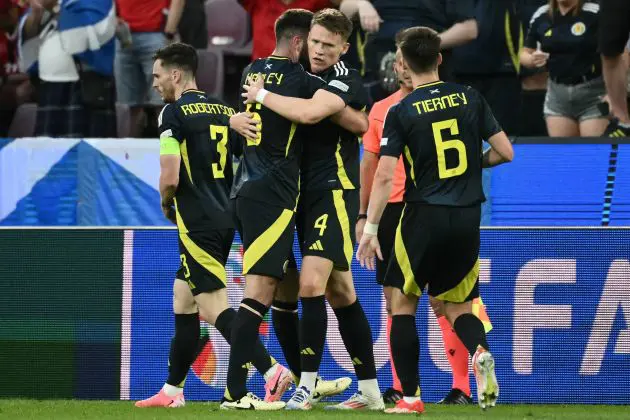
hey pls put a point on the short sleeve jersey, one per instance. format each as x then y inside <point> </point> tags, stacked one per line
<point>200,125</point>
<point>570,40</point>
<point>270,168</point>
<point>439,129</point>
<point>331,153</point>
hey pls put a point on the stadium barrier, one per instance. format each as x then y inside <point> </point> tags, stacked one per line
<point>86,313</point>
<point>113,182</point>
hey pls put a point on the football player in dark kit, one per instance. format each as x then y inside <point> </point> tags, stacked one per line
<point>438,129</point>
<point>195,182</point>
<point>327,208</point>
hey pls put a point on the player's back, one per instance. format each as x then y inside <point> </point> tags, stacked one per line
<point>201,126</point>
<point>269,171</point>
<point>439,129</point>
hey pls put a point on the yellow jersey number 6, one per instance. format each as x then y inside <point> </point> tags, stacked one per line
<point>442,146</point>
<point>256,117</point>
<point>220,133</point>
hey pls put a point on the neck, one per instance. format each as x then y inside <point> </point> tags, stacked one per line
<point>404,90</point>
<point>566,7</point>
<point>179,90</point>
<point>424,78</point>
<point>284,51</point>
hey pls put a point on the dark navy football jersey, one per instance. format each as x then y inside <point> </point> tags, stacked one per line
<point>439,129</point>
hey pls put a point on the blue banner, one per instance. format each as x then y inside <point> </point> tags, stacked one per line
<point>558,299</point>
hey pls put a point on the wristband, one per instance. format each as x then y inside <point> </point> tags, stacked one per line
<point>361,216</point>
<point>370,228</point>
<point>260,96</point>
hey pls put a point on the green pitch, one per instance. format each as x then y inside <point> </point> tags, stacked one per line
<point>68,409</point>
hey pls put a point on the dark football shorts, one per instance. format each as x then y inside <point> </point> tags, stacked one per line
<point>203,256</point>
<point>267,235</point>
<point>325,225</point>
<point>386,234</point>
<point>614,16</point>
<point>438,247</point>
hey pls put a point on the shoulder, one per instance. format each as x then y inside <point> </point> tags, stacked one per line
<point>539,14</point>
<point>380,108</point>
<point>341,70</point>
<point>166,114</point>
<point>590,7</point>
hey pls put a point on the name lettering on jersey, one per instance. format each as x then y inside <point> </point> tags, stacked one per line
<point>269,78</point>
<point>443,102</point>
<point>206,108</point>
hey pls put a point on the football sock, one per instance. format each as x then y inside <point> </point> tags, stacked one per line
<point>357,337</point>
<point>261,360</point>
<point>457,355</point>
<point>470,330</point>
<point>395,381</point>
<point>406,352</point>
<point>183,348</point>
<point>285,324</point>
<point>313,326</point>
<point>172,390</point>
<point>243,343</point>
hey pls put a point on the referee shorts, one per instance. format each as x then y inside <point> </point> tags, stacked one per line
<point>437,247</point>
<point>267,235</point>
<point>614,26</point>
<point>203,256</point>
<point>326,225</point>
<point>386,234</point>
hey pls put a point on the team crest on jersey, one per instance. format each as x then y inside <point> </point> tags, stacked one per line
<point>578,29</point>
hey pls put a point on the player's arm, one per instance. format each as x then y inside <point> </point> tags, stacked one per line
<point>500,151</point>
<point>170,160</point>
<point>351,119</point>
<point>369,162</point>
<point>303,111</point>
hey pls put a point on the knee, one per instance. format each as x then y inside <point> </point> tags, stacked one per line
<point>312,283</point>
<point>260,288</point>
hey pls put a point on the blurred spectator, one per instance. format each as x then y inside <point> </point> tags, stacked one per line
<point>490,63</point>
<point>151,29</point>
<point>15,88</point>
<point>382,19</point>
<point>69,45</point>
<point>563,37</point>
<point>615,18</point>
<point>192,26</point>
<point>264,14</point>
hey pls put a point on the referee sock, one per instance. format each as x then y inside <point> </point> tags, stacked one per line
<point>285,324</point>
<point>243,342</point>
<point>470,330</point>
<point>183,348</point>
<point>457,355</point>
<point>357,337</point>
<point>406,352</point>
<point>312,338</point>
<point>261,360</point>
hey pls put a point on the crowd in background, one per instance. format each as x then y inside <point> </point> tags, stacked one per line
<point>86,63</point>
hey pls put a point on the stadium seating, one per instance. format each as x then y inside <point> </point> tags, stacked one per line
<point>228,27</point>
<point>23,124</point>
<point>210,73</point>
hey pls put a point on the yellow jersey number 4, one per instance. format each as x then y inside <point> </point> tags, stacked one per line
<point>441,146</point>
<point>256,117</point>
<point>219,133</point>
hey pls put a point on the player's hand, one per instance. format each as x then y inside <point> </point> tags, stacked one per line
<point>252,88</point>
<point>368,248</point>
<point>539,58</point>
<point>369,17</point>
<point>358,230</point>
<point>169,213</point>
<point>245,125</point>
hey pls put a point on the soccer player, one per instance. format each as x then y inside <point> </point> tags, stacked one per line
<point>266,192</point>
<point>195,180</point>
<point>439,129</point>
<point>327,208</point>
<point>455,350</point>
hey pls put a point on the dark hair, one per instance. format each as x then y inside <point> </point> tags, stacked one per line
<point>180,55</point>
<point>334,21</point>
<point>293,22</point>
<point>420,47</point>
<point>399,37</point>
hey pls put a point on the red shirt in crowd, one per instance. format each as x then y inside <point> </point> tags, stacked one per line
<point>264,14</point>
<point>10,10</point>
<point>143,15</point>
